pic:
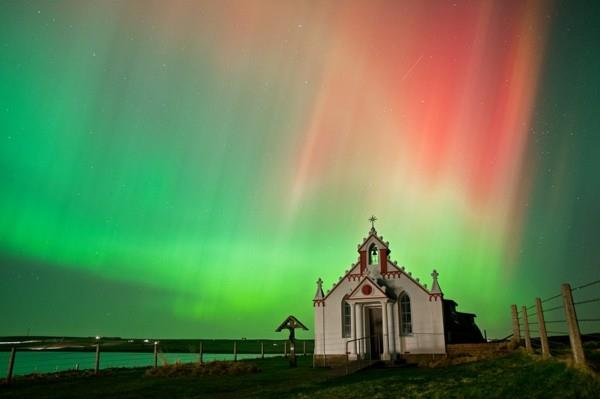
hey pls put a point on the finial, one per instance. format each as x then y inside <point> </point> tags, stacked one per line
<point>319,295</point>
<point>435,287</point>
<point>372,219</point>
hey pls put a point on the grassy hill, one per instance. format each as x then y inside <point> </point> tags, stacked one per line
<point>514,376</point>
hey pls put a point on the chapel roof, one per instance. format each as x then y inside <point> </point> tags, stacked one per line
<point>435,288</point>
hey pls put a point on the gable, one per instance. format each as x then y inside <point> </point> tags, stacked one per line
<point>367,289</point>
<point>373,239</point>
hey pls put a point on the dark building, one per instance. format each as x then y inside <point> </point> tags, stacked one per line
<point>460,327</point>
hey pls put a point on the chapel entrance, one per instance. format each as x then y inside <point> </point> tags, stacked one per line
<point>375,332</point>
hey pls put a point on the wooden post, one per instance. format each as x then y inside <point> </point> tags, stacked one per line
<point>542,327</point>
<point>291,324</point>
<point>262,350</point>
<point>292,356</point>
<point>293,348</point>
<point>235,351</point>
<point>528,346</point>
<point>97,364</point>
<point>155,354</point>
<point>11,365</point>
<point>304,348</point>
<point>574,334</point>
<point>515,323</point>
<point>200,353</point>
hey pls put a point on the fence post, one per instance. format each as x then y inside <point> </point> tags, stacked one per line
<point>516,338</point>
<point>155,354</point>
<point>284,348</point>
<point>574,334</point>
<point>11,365</point>
<point>304,348</point>
<point>200,353</point>
<point>527,333</point>
<point>97,364</point>
<point>542,326</point>
<point>235,351</point>
<point>262,350</point>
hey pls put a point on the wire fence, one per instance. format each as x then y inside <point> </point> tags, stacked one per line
<point>48,355</point>
<point>565,332</point>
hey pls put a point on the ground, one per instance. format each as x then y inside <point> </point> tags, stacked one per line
<point>516,376</point>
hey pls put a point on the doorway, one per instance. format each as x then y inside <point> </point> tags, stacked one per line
<point>375,332</point>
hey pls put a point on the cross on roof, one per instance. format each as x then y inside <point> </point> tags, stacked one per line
<point>372,219</point>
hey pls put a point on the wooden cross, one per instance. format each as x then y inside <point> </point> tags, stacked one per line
<point>291,323</point>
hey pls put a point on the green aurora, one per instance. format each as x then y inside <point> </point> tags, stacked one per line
<point>166,171</point>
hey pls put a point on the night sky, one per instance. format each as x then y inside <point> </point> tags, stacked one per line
<point>189,169</point>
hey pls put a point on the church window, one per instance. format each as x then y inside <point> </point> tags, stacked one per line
<point>346,320</point>
<point>405,315</point>
<point>373,255</point>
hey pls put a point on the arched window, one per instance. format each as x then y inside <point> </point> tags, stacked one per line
<point>346,320</point>
<point>373,255</point>
<point>405,315</point>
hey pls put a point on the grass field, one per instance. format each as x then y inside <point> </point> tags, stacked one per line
<point>514,376</point>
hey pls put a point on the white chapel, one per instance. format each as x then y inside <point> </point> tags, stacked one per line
<point>379,310</point>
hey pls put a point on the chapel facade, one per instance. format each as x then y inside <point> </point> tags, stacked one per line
<point>378,310</point>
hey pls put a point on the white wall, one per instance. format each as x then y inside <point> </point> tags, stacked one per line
<point>427,318</point>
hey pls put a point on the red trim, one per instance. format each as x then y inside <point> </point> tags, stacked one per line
<point>436,296</point>
<point>363,261</point>
<point>383,260</point>
<point>393,274</point>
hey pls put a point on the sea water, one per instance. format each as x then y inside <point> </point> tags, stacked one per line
<point>27,362</point>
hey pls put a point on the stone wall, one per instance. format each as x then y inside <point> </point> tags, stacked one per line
<point>486,348</point>
<point>329,361</point>
<point>456,354</point>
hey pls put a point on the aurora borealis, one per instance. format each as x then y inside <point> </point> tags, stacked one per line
<point>189,169</point>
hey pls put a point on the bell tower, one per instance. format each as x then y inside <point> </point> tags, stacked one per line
<point>373,250</point>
